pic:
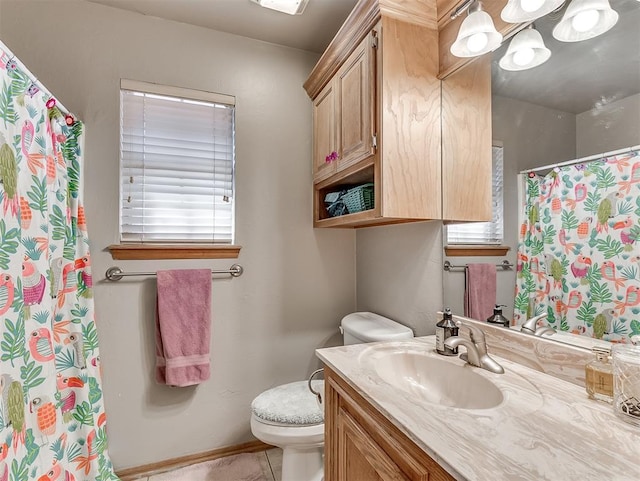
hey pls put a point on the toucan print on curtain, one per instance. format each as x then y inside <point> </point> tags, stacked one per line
<point>579,250</point>
<point>52,419</point>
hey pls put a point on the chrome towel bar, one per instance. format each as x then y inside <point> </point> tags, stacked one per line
<point>505,265</point>
<point>115,273</point>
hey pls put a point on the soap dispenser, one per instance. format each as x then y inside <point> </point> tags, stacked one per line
<point>497,317</point>
<point>445,329</point>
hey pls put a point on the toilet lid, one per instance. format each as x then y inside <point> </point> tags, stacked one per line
<point>291,403</point>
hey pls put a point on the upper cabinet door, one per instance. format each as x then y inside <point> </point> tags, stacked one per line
<point>325,144</point>
<point>466,143</point>
<point>355,84</point>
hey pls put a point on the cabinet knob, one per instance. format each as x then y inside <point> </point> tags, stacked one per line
<point>331,157</point>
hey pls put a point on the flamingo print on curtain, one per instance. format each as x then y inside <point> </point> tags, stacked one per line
<point>52,420</point>
<point>579,248</point>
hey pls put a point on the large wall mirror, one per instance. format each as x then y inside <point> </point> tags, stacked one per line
<point>583,101</point>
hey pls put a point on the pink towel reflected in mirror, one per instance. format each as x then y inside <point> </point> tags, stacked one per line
<point>479,291</point>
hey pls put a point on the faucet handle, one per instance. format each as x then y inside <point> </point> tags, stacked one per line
<point>531,324</point>
<point>476,335</point>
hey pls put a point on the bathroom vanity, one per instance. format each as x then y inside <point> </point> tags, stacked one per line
<point>387,416</point>
<point>362,444</point>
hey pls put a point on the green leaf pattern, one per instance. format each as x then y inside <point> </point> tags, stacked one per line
<point>590,225</point>
<point>46,299</point>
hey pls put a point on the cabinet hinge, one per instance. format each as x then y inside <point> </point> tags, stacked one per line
<point>374,141</point>
<point>374,40</point>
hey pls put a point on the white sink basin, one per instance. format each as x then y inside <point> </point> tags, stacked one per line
<point>431,378</point>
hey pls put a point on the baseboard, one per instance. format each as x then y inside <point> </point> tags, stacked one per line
<point>131,474</point>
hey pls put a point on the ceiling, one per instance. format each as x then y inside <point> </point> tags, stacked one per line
<point>577,77</point>
<point>312,31</point>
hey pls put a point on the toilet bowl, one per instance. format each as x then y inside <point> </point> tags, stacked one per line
<point>290,417</point>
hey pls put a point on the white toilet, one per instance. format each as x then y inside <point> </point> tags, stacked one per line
<point>290,416</point>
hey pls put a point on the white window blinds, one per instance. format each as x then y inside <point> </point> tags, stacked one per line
<point>484,232</point>
<point>177,165</point>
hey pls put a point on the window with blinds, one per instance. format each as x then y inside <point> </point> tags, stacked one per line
<point>484,233</point>
<point>177,152</point>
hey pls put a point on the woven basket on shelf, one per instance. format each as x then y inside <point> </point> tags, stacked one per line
<point>359,198</point>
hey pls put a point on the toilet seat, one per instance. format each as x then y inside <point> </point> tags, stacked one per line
<point>292,405</point>
<point>288,435</point>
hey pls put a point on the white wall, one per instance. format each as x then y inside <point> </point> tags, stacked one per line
<point>400,273</point>
<point>609,127</point>
<point>532,135</point>
<point>298,281</point>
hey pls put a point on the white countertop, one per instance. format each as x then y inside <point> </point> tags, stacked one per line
<point>545,429</point>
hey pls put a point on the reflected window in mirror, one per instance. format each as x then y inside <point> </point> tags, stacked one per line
<point>484,233</point>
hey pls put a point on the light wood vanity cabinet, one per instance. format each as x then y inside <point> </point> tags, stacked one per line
<point>362,445</point>
<point>378,108</point>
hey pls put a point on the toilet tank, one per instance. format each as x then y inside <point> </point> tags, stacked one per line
<point>361,327</point>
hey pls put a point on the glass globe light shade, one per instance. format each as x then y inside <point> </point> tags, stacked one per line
<point>477,36</point>
<point>585,19</point>
<point>526,50</point>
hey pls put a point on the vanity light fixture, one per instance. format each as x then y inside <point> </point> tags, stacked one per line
<point>585,19</point>
<point>292,7</point>
<point>526,50</point>
<point>519,11</point>
<point>477,34</point>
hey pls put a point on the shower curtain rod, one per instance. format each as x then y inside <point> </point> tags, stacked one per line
<point>34,79</point>
<point>583,159</point>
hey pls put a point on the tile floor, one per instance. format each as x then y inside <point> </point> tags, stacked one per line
<point>271,461</point>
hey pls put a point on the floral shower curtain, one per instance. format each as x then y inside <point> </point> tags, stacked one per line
<point>579,248</point>
<point>52,420</point>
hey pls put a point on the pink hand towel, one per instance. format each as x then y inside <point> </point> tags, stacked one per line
<point>480,291</point>
<point>183,327</point>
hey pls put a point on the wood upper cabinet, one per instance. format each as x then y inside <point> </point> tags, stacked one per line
<point>343,114</point>
<point>362,445</point>
<point>383,116</point>
<point>387,117</point>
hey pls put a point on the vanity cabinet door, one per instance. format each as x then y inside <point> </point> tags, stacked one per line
<point>361,459</point>
<point>362,445</point>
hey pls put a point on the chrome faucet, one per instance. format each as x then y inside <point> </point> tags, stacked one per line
<point>530,326</point>
<point>476,345</point>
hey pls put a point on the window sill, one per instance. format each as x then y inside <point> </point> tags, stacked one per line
<point>163,251</point>
<point>476,250</point>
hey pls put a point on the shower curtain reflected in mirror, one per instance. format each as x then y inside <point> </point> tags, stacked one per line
<point>52,419</point>
<point>579,248</point>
